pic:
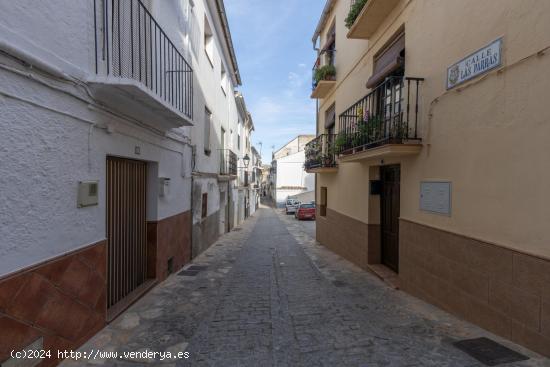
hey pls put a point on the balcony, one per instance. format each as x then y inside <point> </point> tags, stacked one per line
<point>382,124</point>
<point>139,72</point>
<point>323,80</point>
<point>228,163</point>
<point>321,155</point>
<point>369,18</point>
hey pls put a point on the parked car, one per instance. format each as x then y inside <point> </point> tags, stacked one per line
<point>305,211</point>
<point>291,205</point>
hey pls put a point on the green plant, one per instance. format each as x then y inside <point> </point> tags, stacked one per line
<point>354,12</point>
<point>374,128</point>
<point>340,142</point>
<point>324,72</point>
<point>358,138</point>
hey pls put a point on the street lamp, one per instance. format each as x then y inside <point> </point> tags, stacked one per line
<point>246,161</point>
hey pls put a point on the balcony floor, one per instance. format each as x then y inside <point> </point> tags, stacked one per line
<point>131,98</point>
<point>323,88</point>
<point>384,151</point>
<point>322,170</point>
<point>370,18</point>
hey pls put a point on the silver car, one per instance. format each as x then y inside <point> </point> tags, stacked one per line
<point>291,206</point>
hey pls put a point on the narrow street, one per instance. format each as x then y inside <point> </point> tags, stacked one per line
<point>267,294</point>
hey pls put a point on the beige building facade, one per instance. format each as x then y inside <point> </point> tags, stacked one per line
<point>432,151</point>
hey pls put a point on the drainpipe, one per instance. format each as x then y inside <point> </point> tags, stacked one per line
<point>193,156</point>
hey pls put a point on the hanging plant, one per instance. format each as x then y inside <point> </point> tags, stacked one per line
<point>354,11</point>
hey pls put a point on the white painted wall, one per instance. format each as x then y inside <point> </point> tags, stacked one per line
<point>48,144</point>
<point>55,135</point>
<point>291,173</point>
<point>62,29</point>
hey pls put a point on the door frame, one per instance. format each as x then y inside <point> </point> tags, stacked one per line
<point>121,242</point>
<point>383,224</point>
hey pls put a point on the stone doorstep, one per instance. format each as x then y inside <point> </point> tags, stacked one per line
<point>387,275</point>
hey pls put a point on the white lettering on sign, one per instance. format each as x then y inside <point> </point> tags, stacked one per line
<point>475,64</point>
<point>435,197</point>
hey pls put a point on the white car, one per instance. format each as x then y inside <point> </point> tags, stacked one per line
<point>291,205</point>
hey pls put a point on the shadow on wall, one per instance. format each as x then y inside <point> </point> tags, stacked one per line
<point>205,230</point>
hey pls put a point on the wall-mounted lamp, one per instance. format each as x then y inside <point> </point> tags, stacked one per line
<point>246,160</point>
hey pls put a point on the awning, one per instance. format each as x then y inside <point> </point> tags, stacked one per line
<point>388,61</point>
<point>330,117</point>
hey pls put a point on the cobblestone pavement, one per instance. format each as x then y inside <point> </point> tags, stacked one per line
<point>272,296</point>
<point>306,226</point>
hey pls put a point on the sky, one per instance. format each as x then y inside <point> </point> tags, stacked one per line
<point>272,41</point>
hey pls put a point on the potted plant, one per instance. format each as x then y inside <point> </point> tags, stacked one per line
<point>327,160</point>
<point>374,128</point>
<point>341,142</point>
<point>327,72</point>
<point>354,11</point>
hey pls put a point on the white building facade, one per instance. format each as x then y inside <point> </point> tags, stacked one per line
<point>255,180</point>
<point>288,176</point>
<point>244,153</point>
<point>117,156</point>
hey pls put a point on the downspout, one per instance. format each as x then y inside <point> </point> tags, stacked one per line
<point>316,134</point>
<point>193,156</point>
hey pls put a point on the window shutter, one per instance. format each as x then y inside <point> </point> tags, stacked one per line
<point>387,61</point>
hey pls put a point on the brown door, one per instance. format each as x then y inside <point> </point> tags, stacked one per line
<point>389,215</point>
<point>126,227</point>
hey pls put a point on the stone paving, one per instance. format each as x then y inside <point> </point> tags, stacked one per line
<point>272,296</point>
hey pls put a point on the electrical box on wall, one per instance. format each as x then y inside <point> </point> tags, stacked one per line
<point>164,182</point>
<point>435,197</point>
<point>88,193</point>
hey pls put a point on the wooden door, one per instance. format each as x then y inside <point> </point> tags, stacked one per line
<point>389,215</point>
<point>126,227</point>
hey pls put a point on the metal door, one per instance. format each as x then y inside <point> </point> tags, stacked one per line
<point>389,215</point>
<point>126,227</point>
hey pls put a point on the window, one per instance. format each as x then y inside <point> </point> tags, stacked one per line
<point>223,82</point>
<point>204,203</point>
<point>238,142</point>
<point>194,31</point>
<point>329,49</point>
<point>390,61</point>
<point>330,120</point>
<point>207,123</point>
<point>208,42</point>
<point>323,202</point>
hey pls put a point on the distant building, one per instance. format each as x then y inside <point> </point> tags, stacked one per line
<point>288,176</point>
<point>255,180</point>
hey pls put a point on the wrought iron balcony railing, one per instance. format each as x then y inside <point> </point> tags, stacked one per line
<point>228,162</point>
<point>131,45</point>
<point>387,115</point>
<point>321,152</point>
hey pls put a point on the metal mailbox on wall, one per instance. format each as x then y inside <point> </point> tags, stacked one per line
<point>435,197</point>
